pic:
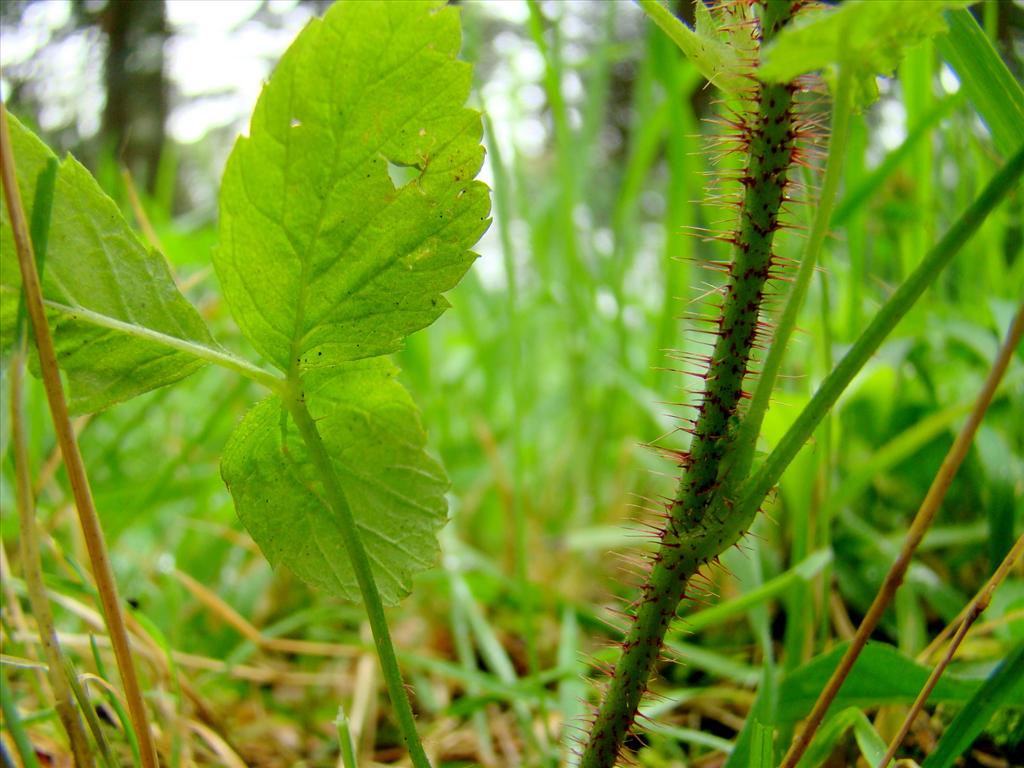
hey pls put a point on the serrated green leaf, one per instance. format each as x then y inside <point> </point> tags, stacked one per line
<point>326,264</point>
<point>113,307</point>
<point>321,258</point>
<point>870,37</point>
<point>395,490</point>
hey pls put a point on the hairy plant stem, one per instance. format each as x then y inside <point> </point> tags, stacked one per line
<point>92,532</point>
<point>691,538</point>
<point>842,109</point>
<point>296,407</point>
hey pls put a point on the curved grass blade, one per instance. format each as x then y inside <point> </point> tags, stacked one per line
<point>991,87</point>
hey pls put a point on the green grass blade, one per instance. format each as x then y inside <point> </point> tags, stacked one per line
<point>465,652</point>
<point>871,745</point>
<point>859,194</point>
<point>14,726</point>
<point>571,691</point>
<point>803,571</point>
<point>89,711</point>
<point>493,652</point>
<point>757,487</point>
<point>1004,685</point>
<point>115,703</point>
<point>881,675</point>
<point>348,752</point>
<point>834,729</point>
<point>992,89</point>
<point>716,61</point>
<point>761,753</point>
<point>690,736</point>
<point>886,457</point>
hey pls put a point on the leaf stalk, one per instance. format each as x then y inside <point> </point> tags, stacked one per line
<point>219,357</point>
<point>295,404</point>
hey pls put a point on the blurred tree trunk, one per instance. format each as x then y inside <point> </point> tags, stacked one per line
<point>136,110</point>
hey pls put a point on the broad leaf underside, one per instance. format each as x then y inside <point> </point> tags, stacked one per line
<point>108,298</point>
<point>372,432</point>
<point>327,266</point>
<point>321,258</point>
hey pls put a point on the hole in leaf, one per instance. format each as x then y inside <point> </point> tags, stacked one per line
<point>402,174</point>
<point>296,122</point>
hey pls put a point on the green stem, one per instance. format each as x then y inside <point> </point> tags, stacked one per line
<point>770,155</point>
<point>696,48</point>
<point>296,406</point>
<point>757,487</point>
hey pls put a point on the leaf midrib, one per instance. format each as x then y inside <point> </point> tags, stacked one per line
<point>200,351</point>
<point>299,331</point>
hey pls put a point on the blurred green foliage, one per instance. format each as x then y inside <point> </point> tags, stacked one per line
<point>540,390</point>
